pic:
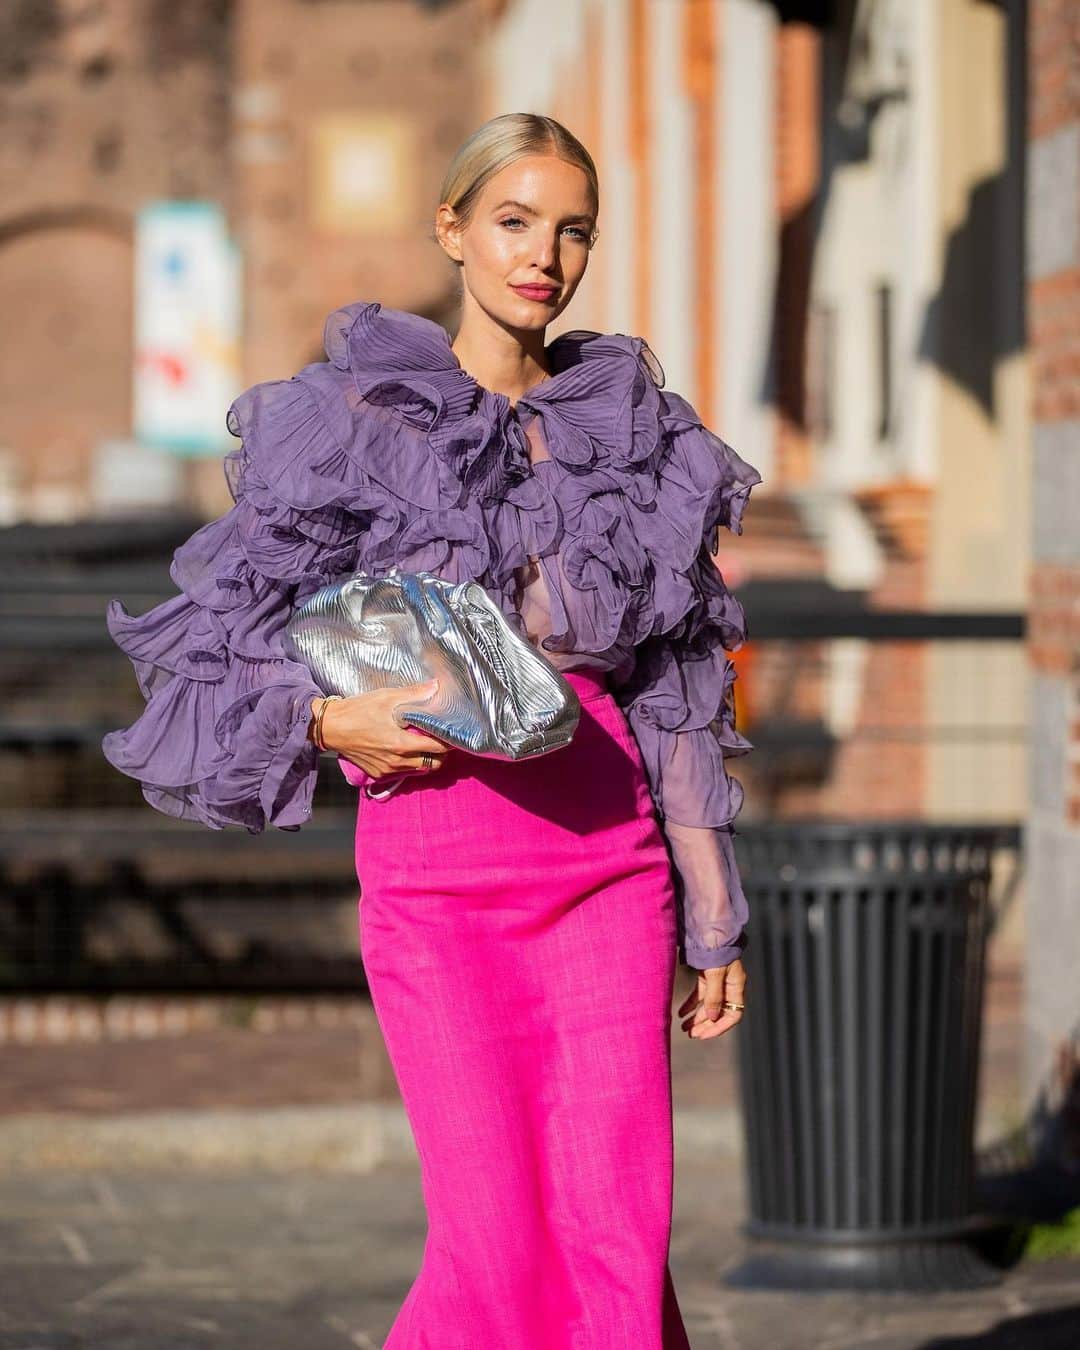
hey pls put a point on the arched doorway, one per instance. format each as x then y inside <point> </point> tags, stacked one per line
<point>66,367</point>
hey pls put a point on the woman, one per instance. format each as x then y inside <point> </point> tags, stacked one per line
<point>518,921</point>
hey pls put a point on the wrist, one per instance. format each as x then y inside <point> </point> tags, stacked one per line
<point>318,726</point>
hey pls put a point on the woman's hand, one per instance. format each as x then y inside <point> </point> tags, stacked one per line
<point>362,730</point>
<point>712,990</point>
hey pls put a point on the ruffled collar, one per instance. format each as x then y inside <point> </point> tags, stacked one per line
<point>601,394</point>
<point>618,513</point>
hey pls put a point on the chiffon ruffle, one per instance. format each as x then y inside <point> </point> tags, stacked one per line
<point>223,738</point>
<point>390,453</point>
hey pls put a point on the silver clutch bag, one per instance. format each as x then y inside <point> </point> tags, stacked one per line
<point>498,695</point>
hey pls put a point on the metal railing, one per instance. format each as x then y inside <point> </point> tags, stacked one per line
<point>97,890</point>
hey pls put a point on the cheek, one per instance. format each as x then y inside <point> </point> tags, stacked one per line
<point>496,252</point>
<point>574,263</point>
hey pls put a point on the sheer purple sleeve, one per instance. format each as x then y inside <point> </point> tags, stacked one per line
<point>223,738</point>
<point>680,702</point>
<point>682,713</point>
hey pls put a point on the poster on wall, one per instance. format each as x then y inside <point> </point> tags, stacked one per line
<point>187,327</point>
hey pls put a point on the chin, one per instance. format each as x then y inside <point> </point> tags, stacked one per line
<point>528,315</point>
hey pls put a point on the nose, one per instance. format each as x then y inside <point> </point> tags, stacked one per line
<point>546,251</point>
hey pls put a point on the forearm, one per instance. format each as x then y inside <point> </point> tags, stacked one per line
<point>714,908</point>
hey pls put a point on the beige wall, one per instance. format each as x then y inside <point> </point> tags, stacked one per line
<point>980,524</point>
<point>930,207</point>
<point>980,547</point>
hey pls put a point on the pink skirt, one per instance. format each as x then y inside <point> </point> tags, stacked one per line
<point>517,927</point>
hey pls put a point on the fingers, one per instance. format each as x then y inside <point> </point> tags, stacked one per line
<point>714,993</point>
<point>707,1010</point>
<point>382,767</point>
<point>690,1000</point>
<point>735,984</point>
<point>422,766</point>
<point>414,742</point>
<point>707,1031</point>
<point>419,752</point>
<point>365,730</point>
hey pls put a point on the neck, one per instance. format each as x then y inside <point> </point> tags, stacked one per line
<point>502,360</point>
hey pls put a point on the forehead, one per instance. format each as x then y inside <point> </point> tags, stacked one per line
<point>544,184</point>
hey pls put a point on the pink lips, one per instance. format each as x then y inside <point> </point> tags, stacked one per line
<point>535,292</point>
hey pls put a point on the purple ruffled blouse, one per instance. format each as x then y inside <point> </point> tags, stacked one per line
<point>590,510</point>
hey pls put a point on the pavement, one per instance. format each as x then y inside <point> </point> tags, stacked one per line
<point>252,1184</point>
<point>127,1259</point>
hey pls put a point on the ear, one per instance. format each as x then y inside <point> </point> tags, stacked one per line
<point>448,231</point>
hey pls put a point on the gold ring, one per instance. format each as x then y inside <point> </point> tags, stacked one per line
<point>735,1007</point>
<point>428,759</point>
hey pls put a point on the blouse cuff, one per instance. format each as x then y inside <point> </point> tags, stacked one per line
<point>709,958</point>
<point>270,775</point>
<point>224,752</point>
<point>713,906</point>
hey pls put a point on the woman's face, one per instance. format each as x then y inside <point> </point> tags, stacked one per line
<point>531,227</point>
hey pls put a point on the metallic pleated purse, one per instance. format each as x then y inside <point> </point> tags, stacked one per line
<point>498,695</point>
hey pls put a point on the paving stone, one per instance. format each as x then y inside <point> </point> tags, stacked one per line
<point>256,1261</point>
<point>218,1192</point>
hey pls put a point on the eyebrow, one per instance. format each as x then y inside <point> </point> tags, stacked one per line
<point>524,206</point>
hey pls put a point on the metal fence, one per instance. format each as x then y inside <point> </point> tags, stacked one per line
<point>97,890</point>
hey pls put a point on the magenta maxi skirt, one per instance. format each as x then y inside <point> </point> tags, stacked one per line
<point>517,927</point>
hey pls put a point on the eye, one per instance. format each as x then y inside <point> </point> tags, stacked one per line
<point>579,231</point>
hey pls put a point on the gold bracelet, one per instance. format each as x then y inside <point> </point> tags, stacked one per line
<point>320,744</point>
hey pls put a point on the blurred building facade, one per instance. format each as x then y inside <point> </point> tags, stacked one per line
<point>1053,296</point>
<point>345,116</point>
<point>323,129</point>
<point>916,401</point>
<point>812,212</point>
<point>103,107</point>
<point>849,229</point>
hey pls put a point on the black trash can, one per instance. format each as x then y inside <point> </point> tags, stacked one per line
<point>859,1052</point>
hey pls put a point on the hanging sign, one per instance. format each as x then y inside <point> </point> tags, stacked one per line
<point>187,327</point>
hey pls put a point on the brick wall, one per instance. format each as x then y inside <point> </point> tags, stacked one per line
<point>105,107</point>
<point>109,105</point>
<point>394,85</point>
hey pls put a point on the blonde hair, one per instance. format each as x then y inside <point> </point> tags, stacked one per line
<point>502,140</point>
